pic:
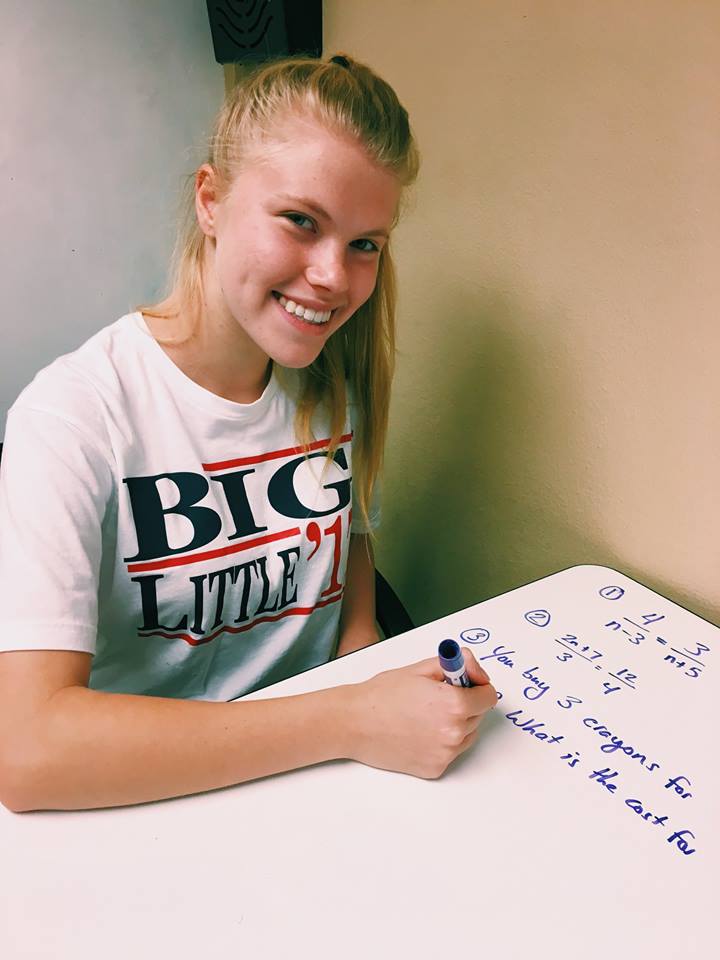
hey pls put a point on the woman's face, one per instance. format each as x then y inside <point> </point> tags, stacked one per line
<point>302,224</point>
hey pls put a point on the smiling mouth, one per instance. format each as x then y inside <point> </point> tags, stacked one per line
<point>316,317</point>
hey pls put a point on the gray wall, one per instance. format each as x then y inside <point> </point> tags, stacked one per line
<point>105,108</point>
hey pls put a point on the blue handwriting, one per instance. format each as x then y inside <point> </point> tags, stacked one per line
<point>538,687</point>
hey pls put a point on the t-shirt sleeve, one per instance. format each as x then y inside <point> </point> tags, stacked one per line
<point>55,485</point>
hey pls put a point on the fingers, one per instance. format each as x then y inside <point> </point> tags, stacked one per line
<point>468,741</point>
<point>418,722</point>
<point>474,670</point>
<point>483,698</point>
<point>431,668</point>
<point>428,668</point>
<point>475,719</point>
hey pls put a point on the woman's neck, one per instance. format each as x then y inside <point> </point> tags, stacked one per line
<point>213,352</point>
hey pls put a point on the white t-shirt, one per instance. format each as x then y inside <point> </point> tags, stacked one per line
<point>181,538</point>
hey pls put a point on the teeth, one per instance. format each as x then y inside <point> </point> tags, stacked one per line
<point>305,313</point>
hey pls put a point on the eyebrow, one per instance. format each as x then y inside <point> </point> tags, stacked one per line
<point>316,208</point>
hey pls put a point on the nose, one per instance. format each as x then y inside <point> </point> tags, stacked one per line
<point>327,268</point>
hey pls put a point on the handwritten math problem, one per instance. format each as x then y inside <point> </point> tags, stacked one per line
<point>581,694</point>
<point>588,801</point>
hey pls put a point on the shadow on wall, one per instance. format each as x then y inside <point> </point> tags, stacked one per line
<point>478,491</point>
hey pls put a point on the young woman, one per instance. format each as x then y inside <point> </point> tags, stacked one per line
<point>187,500</point>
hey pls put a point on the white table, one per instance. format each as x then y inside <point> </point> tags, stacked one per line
<point>515,852</point>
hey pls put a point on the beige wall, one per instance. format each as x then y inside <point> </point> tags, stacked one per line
<point>558,393</point>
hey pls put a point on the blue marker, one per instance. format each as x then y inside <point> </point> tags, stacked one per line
<point>453,664</point>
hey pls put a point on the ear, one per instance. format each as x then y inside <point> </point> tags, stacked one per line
<point>206,198</point>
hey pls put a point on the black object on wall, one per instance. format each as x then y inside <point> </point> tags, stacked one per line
<point>250,31</point>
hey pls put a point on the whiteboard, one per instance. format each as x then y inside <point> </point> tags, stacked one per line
<point>516,852</point>
<point>594,790</point>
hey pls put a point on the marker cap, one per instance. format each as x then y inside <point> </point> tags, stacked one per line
<point>450,656</point>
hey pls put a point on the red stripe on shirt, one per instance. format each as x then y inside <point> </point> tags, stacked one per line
<point>291,612</point>
<point>212,554</point>
<point>273,455</point>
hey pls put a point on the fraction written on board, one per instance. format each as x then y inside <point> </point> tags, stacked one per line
<point>585,669</point>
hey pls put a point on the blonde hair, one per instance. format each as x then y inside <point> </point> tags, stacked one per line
<point>351,99</point>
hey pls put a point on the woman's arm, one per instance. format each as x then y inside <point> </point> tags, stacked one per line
<point>66,747</point>
<point>357,617</point>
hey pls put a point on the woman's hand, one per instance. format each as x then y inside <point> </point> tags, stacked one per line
<point>411,721</point>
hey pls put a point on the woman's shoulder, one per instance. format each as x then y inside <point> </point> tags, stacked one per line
<point>77,377</point>
<point>78,386</point>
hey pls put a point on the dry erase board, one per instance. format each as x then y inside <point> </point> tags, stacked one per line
<point>593,792</point>
<point>582,824</point>
<point>614,684</point>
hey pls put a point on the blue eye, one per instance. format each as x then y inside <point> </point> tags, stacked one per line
<point>297,217</point>
<point>372,248</point>
<point>307,223</point>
